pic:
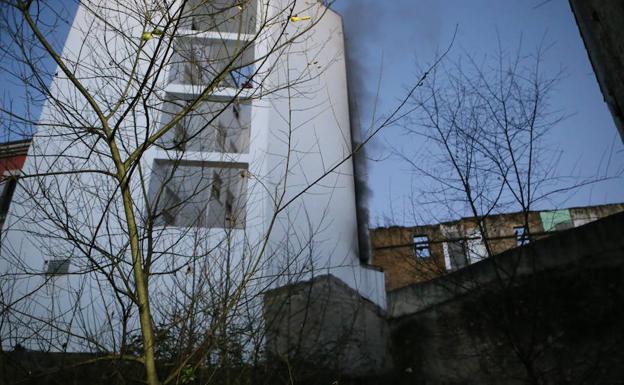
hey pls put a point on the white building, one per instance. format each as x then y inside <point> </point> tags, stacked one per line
<point>210,195</point>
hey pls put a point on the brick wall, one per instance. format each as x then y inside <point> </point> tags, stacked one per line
<point>394,252</point>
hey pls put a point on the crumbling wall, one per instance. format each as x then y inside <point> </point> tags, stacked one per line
<point>393,247</point>
<point>400,266</point>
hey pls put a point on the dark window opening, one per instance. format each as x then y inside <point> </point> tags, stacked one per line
<point>179,137</point>
<point>7,188</point>
<point>221,138</point>
<point>57,267</point>
<point>421,246</point>
<point>229,208</point>
<point>522,238</point>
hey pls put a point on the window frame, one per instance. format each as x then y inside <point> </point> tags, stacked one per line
<point>170,212</point>
<point>522,238</point>
<point>57,266</point>
<point>422,244</point>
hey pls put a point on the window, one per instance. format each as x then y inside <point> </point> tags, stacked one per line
<point>179,139</point>
<point>243,77</point>
<point>192,70</point>
<point>455,248</point>
<point>197,194</point>
<point>475,247</point>
<point>170,210</point>
<point>522,238</point>
<point>57,267</point>
<point>421,246</point>
<point>197,61</point>
<point>229,208</point>
<point>234,16</point>
<point>211,126</point>
<point>7,188</point>
<point>456,251</point>
<point>556,220</point>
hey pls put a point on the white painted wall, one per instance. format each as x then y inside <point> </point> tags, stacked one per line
<point>297,134</point>
<point>318,132</point>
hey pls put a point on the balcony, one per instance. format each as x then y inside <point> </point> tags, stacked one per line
<point>198,61</point>
<point>211,127</point>
<point>196,194</point>
<point>222,16</point>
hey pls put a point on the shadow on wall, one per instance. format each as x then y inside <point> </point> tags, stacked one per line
<point>547,313</point>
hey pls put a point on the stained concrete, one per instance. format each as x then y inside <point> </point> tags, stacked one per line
<point>323,323</point>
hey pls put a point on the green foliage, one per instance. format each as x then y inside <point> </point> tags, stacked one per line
<point>187,375</point>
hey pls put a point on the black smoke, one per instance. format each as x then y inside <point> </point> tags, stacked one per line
<point>413,25</point>
<point>358,95</point>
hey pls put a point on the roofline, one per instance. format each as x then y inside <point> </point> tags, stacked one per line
<point>330,9</point>
<point>493,215</point>
<point>15,147</point>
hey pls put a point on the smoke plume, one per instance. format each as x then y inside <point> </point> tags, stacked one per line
<point>367,25</point>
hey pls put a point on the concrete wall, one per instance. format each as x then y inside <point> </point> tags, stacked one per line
<point>546,313</point>
<point>323,325</point>
<point>600,24</point>
<point>308,134</point>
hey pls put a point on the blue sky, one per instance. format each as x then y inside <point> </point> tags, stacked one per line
<point>55,18</point>
<point>399,33</point>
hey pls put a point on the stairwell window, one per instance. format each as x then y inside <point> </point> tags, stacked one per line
<point>224,16</point>
<point>421,246</point>
<point>201,62</point>
<point>210,126</point>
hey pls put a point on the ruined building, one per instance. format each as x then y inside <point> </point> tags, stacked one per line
<point>410,255</point>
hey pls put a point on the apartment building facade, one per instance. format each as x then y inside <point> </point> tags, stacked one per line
<point>253,183</point>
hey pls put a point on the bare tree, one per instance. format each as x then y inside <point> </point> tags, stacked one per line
<point>486,124</point>
<point>137,178</point>
<point>85,198</point>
